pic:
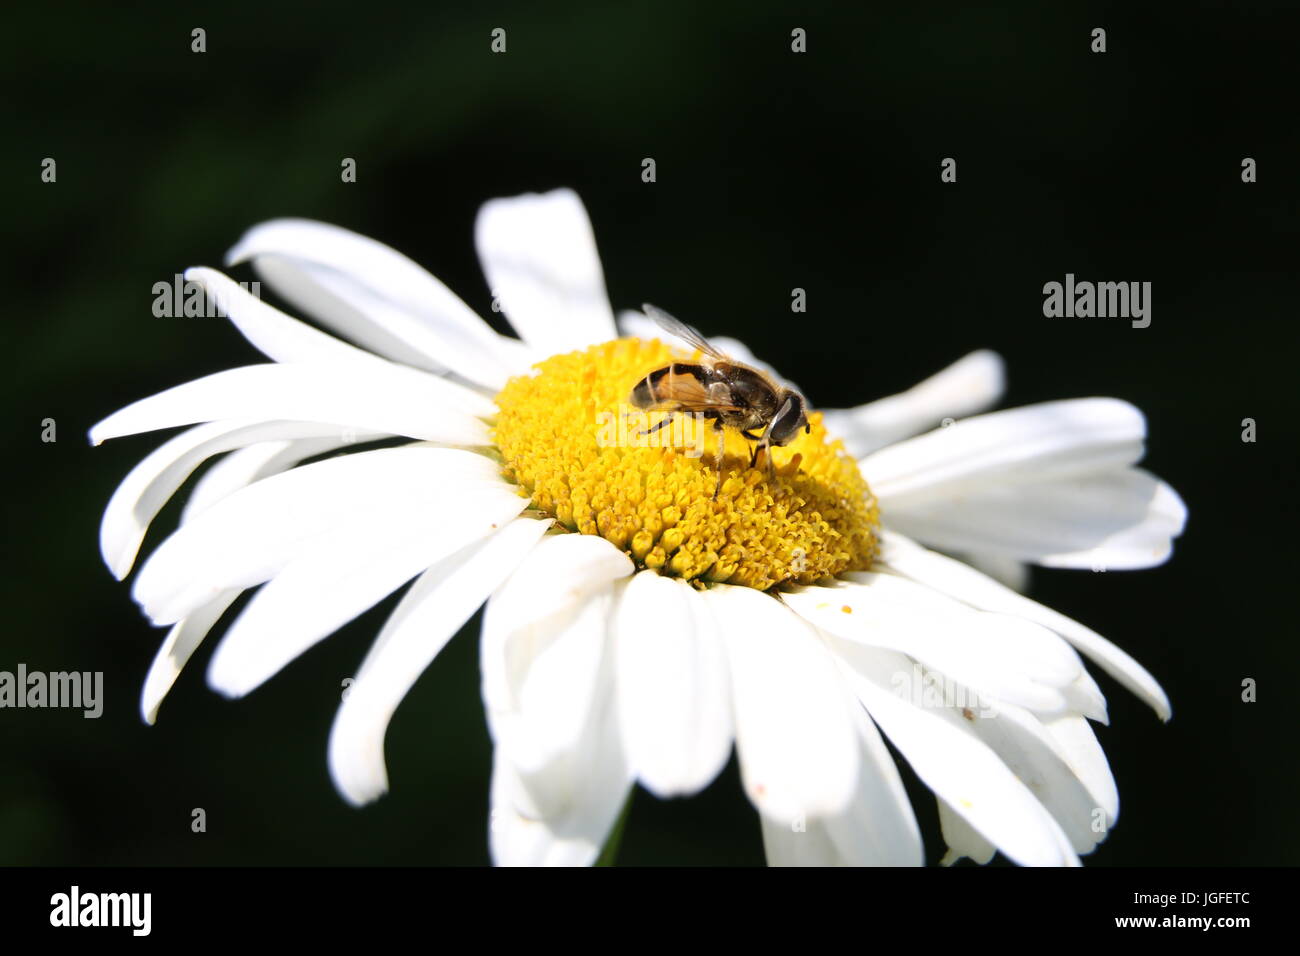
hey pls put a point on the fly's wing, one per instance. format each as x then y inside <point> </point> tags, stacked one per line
<point>739,353</point>
<point>693,338</point>
<point>681,330</point>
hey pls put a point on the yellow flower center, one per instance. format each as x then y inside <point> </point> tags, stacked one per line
<point>569,437</point>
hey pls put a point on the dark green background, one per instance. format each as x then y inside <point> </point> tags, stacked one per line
<point>775,170</point>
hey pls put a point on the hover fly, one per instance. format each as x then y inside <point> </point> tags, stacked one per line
<point>723,390</point>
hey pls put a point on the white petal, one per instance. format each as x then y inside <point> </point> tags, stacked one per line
<point>674,693</point>
<point>560,774</point>
<point>247,465</point>
<point>1139,515</point>
<point>424,407</point>
<point>800,843</point>
<point>248,537</point>
<point>150,485</point>
<point>548,678</point>
<point>1002,657</point>
<point>739,350</point>
<point>968,585</point>
<point>969,385</point>
<point>1014,574</point>
<point>234,471</point>
<point>1031,752</point>
<point>961,838</point>
<point>877,828</point>
<point>798,747</point>
<point>1084,697</point>
<point>278,336</point>
<point>957,767</point>
<point>636,324</point>
<point>350,571</point>
<point>179,646</point>
<point>377,297</point>
<point>540,599</point>
<point>1078,746</point>
<point>539,255</point>
<point>1110,520</point>
<point>1069,437</point>
<point>550,735</point>
<point>437,605</point>
<point>574,837</point>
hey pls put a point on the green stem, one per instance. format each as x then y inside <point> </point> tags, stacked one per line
<point>615,836</point>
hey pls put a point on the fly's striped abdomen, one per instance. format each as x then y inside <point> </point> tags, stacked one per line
<point>656,388</point>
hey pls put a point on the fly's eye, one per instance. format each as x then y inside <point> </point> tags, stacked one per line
<point>786,422</point>
<point>807,428</point>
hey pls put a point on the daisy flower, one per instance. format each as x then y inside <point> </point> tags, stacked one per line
<point>636,626</point>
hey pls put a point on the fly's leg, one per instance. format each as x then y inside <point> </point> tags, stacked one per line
<point>722,446</point>
<point>764,446</point>
<point>655,427</point>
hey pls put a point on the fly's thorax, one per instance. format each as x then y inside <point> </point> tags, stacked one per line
<point>749,389</point>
